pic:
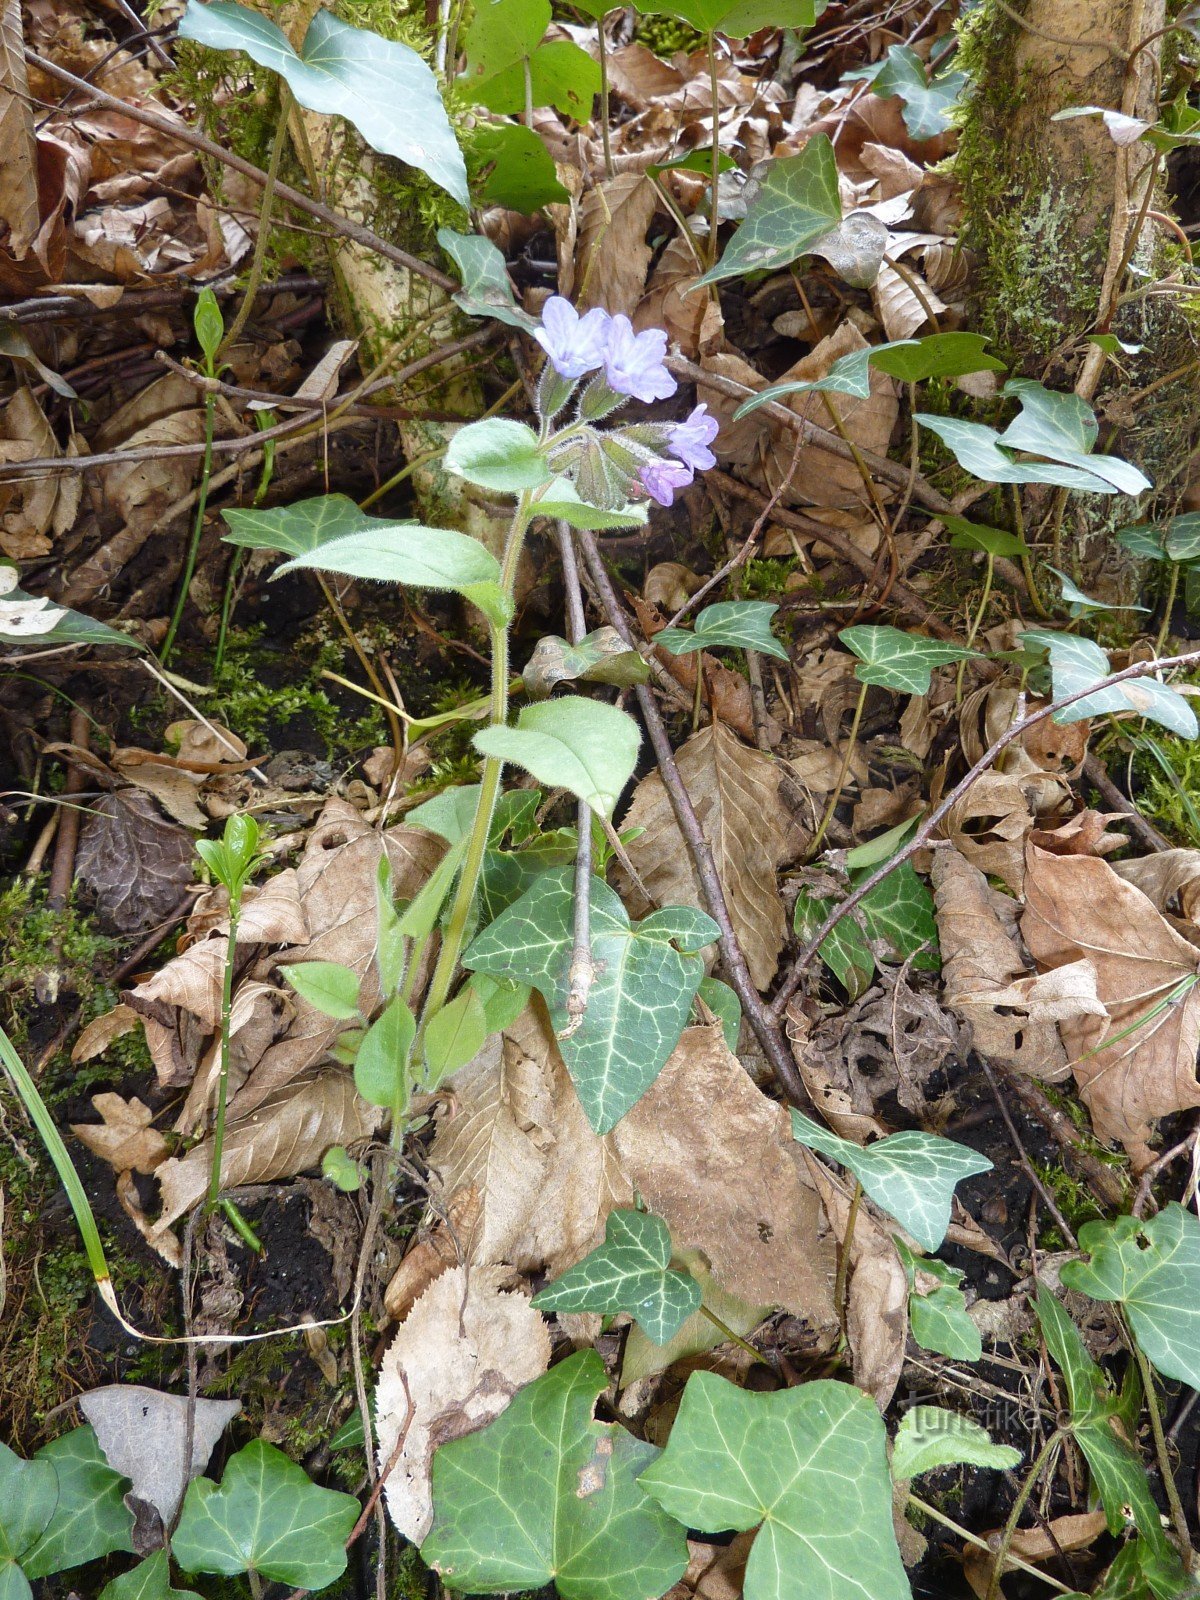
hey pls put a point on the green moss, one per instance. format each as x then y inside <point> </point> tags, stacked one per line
<point>39,946</point>
<point>261,712</point>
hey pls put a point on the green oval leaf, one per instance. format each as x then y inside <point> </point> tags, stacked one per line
<point>327,985</point>
<point>381,1062</point>
<point>453,1036</point>
<point>583,746</point>
<point>497,454</point>
<point>546,1494</point>
<point>929,1437</point>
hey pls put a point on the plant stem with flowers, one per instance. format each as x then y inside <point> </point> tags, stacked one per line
<point>609,468</point>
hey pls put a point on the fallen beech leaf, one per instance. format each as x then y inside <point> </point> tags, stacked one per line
<point>464,1350</point>
<point>443,1246</point>
<point>687,1147</point>
<point>714,1572</point>
<point>19,210</point>
<point>735,792</point>
<point>980,960</point>
<point>133,861</point>
<point>829,1082</point>
<point>272,912</point>
<point>668,303</point>
<point>612,255</point>
<point>124,1138</point>
<point>174,790</point>
<point>288,1133</point>
<point>1076,907</point>
<point>142,1433</point>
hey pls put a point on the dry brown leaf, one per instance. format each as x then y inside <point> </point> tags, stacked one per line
<point>133,861</point>
<point>839,1098</point>
<point>101,1031</point>
<point>124,1138</point>
<point>27,505</point>
<point>710,1153</point>
<point>904,301</point>
<point>612,256</point>
<point>1074,1532</point>
<point>1170,878</point>
<point>735,792</point>
<point>272,912</point>
<point>876,1292</point>
<point>259,1015</point>
<point>18,170</point>
<point>989,826</point>
<point>206,743</point>
<point>638,76</point>
<point>464,1350</point>
<point>714,1571</point>
<point>174,789</point>
<point>433,1251</point>
<point>895,173</point>
<point>668,302</point>
<point>1077,908</point>
<point>288,1134</point>
<point>980,960</point>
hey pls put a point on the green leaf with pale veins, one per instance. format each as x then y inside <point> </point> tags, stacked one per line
<point>893,659</point>
<point>938,355</point>
<point>28,1498</point>
<point>809,1464</point>
<point>912,1176</point>
<point>630,1271</point>
<point>381,86</point>
<point>1077,663</point>
<point>296,529</point>
<point>149,1580</point>
<point>584,746</point>
<point>1183,537</point>
<point>91,1518</point>
<point>929,1437</point>
<point>844,949</point>
<point>487,290</point>
<point>927,100</point>
<point>266,1516</point>
<point>724,1004</point>
<point>639,1001</point>
<point>796,203</point>
<point>899,911</point>
<point>937,1315</point>
<point>1116,1467</point>
<point>547,1494</point>
<point>497,453</point>
<point>737,624</point>
<point>1153,1270</point>
<point>409,553</point>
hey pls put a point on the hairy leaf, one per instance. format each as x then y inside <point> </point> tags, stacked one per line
<point>929,1437</point>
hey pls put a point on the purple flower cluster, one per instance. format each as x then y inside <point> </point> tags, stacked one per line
<point>633,364</point>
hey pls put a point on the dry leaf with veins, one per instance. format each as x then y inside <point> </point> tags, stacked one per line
<point>461,1354</point>
<point>612,256</point>
<point>1137,1062</point>
<point>143,1434</point>
<point>980,961</point>
<point>124,1137</point>
<point>735,792</point>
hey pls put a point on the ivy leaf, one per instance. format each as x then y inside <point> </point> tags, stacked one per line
<point>380,85</point>
<point>1153,1269</point>
<point>487,290</point>
<point>1076,663</point>
<point>899,911</point>
<point>1115,1465</point>
<point>938,355</point>
<point>1142,1572</point>
<point>844,949</point>
<point>149,1580</point>
<point>1183,537</point>
<point>927,100</point>
<point>912,1176</point>
<point>497,454</point>
<point>584,746</point>
<point>327,985</point>
<point>740,624</point>
<point>796,203</point>
<point>28,1498</point>
<point>545,1493</point>
<point>930,1437</point>
<point>522,175</point>
<point>601,656</point>
<point>809,1464</point>
<point>408,553</point>
<point>267,1516</point>
<point>630,1271</point>
<point>893,659</point>
<point>724,1004</point>
<point>938,1317</point>
<point>304,525</point>
<point>640,999</point>
<point>91,1518</point>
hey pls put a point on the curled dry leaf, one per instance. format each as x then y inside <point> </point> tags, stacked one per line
<point>1041,1543</point>
<point>288,1134</point>
<point>27,509</point>
<point>1170,878</point>
<point>989,825</point>
<point>444,1245</point>
<point>124,1137</point>
<point>102,1031</point>
<point>981,960</point>
<point>736,795</point>
<point>143,1434</point>
<point>463,1351</point>
<point>839,1098</point>
<point>710,1153</point>
<point>1077,908</point>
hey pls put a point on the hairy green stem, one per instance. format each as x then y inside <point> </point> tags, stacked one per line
<point>214,1177</point>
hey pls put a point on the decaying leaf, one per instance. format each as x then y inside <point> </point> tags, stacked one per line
<point>143,1435</point>
<point>735,791</point>
<point>980,960</point>
<point>287,1134</point>
<point>133,861</point>
<point>125,1138</point>
<point>612,255</point>
<point>102,1031</point>
<point>1137,1063</point>
<point>441,1246</point>
<point>461,1354</point>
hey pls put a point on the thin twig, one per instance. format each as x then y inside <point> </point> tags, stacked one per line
<point>1064,1227</point>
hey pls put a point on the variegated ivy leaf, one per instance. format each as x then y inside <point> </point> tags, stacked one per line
<point>912,1176</point>
<point>547,1494</point>
<point>640,997</point>
<point>1077,663</point>
<point>297,528</point>
<point>938,355</point>
<point>809,1464</point>
<point>929,1437</point>
<point>486,288</point>
<point>1098,1427</point>
<point>893,659</point>
<point>381,86</point>
<point>742,624</point>
<point>927,100</point>
<point>630,1271</point>
<point>1153,1270</point>
<point>795,204</point>
<point>937,1315</point>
